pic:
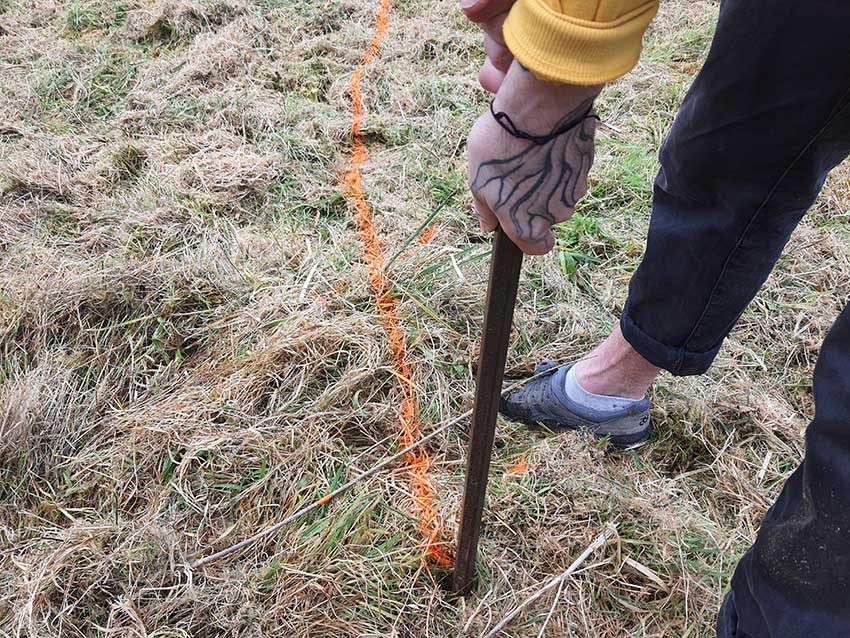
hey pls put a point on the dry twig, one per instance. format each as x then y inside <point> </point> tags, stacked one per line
<point>600,541</point>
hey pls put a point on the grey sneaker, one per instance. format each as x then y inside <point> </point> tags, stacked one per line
<point>545,401</point>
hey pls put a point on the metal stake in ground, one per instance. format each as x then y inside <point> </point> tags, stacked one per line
<point>505,266</point>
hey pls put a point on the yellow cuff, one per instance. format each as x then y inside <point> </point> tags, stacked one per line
<point>561,48</point>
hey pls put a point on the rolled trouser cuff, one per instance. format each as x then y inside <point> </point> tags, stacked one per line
<point>677,361</point>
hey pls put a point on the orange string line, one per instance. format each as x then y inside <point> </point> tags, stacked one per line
<point>418,461</point>
<point>521,467</point>
<point>428,235</point>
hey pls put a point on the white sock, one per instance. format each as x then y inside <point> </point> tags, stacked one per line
<point>593,401</point>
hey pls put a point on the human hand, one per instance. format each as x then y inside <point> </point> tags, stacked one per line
<point>523,187</point>
<point>490,15</point>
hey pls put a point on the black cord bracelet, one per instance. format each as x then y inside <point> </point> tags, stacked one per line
<point>507,123</point>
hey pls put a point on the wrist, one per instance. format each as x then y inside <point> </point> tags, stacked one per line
<point>537,105</point>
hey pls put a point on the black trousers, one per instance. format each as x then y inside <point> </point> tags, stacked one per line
<point>766,119</point>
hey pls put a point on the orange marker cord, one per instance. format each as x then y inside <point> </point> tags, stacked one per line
<point>428,235</point>
<point>521,467</point>
<point>418,461</point>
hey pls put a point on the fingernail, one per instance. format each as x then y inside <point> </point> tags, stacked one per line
<point>468,4</point>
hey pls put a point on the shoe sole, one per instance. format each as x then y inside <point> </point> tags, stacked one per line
<point>628,441</point>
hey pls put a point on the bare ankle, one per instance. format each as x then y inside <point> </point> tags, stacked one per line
<point>614,368</point>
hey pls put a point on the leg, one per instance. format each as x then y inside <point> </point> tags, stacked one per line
<point>615,368</point>
<point>795,581</point>
<point>763,123</point>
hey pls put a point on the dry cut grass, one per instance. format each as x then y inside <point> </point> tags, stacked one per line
<point>190,348</point>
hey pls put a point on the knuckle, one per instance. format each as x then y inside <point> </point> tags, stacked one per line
<point>563,215</point>
<point>502,58</point>
<point>490,79</point>
<point>479,12</point>
<point>493,29</point>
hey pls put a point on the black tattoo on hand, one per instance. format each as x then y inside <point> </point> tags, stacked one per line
<point>540,185</point>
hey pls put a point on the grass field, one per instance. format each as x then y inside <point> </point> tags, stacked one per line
<point>191,351</point>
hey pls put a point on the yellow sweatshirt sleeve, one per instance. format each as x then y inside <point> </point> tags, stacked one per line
<point>578,41</point>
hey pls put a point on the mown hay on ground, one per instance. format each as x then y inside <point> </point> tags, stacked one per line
<point>191,350</point>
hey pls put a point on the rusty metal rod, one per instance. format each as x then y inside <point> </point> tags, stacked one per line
<point>505,266</point>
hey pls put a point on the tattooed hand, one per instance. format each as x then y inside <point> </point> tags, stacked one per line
<point>523,187</point>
